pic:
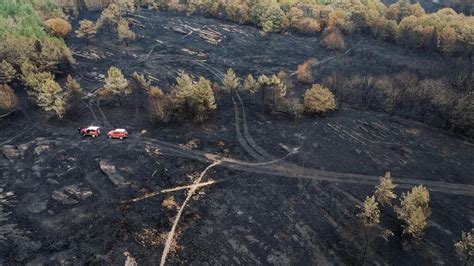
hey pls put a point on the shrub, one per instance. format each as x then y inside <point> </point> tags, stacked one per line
<point>87,30</point>
<point>319,99</point>
<point>8,99</point>
<point>414,211</point>
<point>384,190</point>
<point>141,81</point>
<point>304,73</point>
<point>159,104</point>
<point>465,246</point>
<point>293,107</point>
<point>462,116</point>
<point>333,40</point>
<point>58,26</point>
<point>194,98</point>
<point>72,84</point>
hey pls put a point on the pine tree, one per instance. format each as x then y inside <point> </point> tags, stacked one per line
<point>124,32</point>
<point>414,211</point>
<point>369,217</point>
<point>50,97</point>
<point>87,30</point>
<point>116,83</point>
<point>109,17</point>
<point>384,190</point>
<point>231,81</point>
<point>159,104</point>
<point>193,98</point>
<point>7,72</point>
<point>127,6</point>
<point>73,89</point>
<point>250,84</point>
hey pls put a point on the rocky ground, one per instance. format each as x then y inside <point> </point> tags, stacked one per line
<point>286,191</point>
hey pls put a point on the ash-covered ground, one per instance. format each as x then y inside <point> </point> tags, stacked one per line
<point>287,190</point>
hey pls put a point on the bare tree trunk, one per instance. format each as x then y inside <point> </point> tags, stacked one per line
<point>365,247</point>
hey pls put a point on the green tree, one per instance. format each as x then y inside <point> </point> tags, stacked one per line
<point>194,98</point>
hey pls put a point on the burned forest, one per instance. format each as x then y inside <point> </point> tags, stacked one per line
<point>249,132</point>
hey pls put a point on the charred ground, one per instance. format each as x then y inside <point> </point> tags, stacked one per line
<point>61,195</point>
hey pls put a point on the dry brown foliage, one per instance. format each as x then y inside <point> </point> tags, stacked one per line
<point>154,238</point>
<point>309,25</point>
<point>333,39</point>
<point>159,104</point>
<point>59,27</point>
<point>304,73</point>
<point>169,203</point>
<point>8,99</point>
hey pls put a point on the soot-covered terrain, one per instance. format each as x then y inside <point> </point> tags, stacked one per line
<point>285,191</point>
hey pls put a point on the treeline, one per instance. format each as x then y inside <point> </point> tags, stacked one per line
<point>441,102</point>
<point>404,23</point>
<point>31,47</point>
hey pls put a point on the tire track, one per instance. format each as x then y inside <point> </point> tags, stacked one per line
<point>247,135</point>
<point>295,171</point>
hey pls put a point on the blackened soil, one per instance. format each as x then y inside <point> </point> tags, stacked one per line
<point>289,188</point>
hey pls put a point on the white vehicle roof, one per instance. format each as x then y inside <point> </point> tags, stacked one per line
<point>93,128</point>
<point>121,130</point>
